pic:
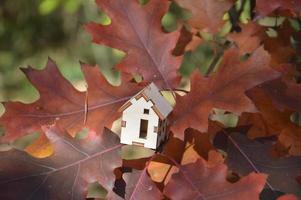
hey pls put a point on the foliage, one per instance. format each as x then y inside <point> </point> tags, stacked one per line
<point>253,74</point>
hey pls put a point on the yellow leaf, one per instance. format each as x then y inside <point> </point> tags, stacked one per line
<point>160,172</point>
<point>41,148</point>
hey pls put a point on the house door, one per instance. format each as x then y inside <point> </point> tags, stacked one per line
<point>143,128</point>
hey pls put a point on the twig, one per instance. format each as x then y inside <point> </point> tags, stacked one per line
<point>86,107</point>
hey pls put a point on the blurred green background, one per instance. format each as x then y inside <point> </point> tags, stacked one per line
<point>33,30</point>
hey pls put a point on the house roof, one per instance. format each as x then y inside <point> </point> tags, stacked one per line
<point>152,93</point>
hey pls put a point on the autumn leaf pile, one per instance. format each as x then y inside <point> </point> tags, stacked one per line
<point>254,75</point>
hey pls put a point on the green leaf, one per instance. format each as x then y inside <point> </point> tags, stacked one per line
<point>200,58</point>
<point>95,190</point>
<point>132,152</point>
<point>245,15</point>
<point>169,22</point>
<point>295,24</point>
<point>272,33</point>
<point>48,6</point>
<point>82,134</point>
<point>2,131</point>
<point>104,19</point>
<point>72,6</point>
<point>294,42</point>
<point>143,2</point>
<point>23,142</point>
<point>271,21</point>
<point>179,12</point>
<point>228,120</point>
<point>206,35</point>
<point>226,29</point>
<point>5,147</point>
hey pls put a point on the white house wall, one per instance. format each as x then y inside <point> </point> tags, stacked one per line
<point>132,116</point>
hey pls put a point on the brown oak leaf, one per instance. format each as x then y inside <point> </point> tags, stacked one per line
<point>280,47</point>
<point>202,181</point>
<point>249,39</point>
<point>265,8</point>
<point>61,104</point>
<point>140,186</point>
<point>136,30</point>
<point>64,175</point>
<point>138,182</point>
<point>206,14</point>
<point>188,41</point>
<point>245,155</point>
<point>288,197</point>
<point>202,142</point>
<point>224,89</point>
<point>271,121</point>
<point>285,94</point>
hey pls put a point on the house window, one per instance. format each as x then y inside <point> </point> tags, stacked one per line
<point>123,123</point>
<point>146,111</point>
<point>143,128</point>
<point>155,129</point>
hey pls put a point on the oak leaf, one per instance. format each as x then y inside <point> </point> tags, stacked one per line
<point>271,121</point>
<point>248,39</point>
<point>206,14</point>
<point>202,181</point>
<point>265,8</point>
<point>136,30</point>
<point>139,182</point>
<point>285,94</point>
<point>281,48</point>
<point>288,197</point>
<point>40,148</point>
<point>140,186</point>
<point>201,142</point>
<point>61,104</point>
<point>224,89</point>
<point>246,155</point>
<point>187,41</point>
<point>64,175</point>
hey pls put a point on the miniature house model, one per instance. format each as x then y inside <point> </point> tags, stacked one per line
<point>144,118</point>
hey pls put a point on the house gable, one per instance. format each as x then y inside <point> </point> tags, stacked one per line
<point>144,118</point>
<point>151,93</point>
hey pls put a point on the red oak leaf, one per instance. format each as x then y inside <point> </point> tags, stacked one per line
<point>288,197</point>
<point>67,173</point>
<point>245,155</point>
<point>136,29</point>
<point>285,94</point>
<point>202,181</point>
<point>62,104</point>
<point>280,47</point>
<point>225,90</point>
<point>249,39</point>
<point>140,186</point>
<point>184,39</point>
<point>267,7</point>
<point>271,121</point>
<point>206,14</point>
<point>137,183</point>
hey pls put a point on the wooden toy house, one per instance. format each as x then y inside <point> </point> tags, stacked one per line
<point>144,118</point>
